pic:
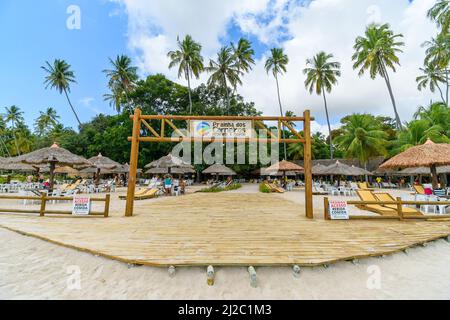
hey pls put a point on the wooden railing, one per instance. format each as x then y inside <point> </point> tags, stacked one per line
<point>43,199</point>
<point>400,214</point>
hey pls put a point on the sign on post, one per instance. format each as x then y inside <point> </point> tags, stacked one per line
<point>81,206</point>
<point>221,129</point>
<point>338,210</point>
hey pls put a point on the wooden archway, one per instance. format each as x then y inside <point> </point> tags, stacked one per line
<point>157,137</point>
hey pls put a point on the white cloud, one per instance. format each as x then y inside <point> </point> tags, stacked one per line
<point>329,25</point>
<point>86,102</point>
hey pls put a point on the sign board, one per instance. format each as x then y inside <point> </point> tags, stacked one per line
<point>81,206</point>
<point>221,129</point>
<point>338,210</point>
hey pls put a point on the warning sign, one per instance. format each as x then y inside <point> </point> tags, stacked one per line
<point>338,210</point>
<point>81,206</point>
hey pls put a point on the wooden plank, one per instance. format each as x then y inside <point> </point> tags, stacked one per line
<point>150,128</point>
<point>241,118</point>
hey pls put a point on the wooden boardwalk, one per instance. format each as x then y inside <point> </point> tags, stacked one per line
<point>234,229</point>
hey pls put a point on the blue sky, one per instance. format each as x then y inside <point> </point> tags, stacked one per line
<point>35,31</point>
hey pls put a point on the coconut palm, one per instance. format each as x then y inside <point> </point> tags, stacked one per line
<point>440,13</point>
<point>122,79</point>
<point>321,76</point>
<point>431,77</point>
<point>376,52</point>
<point>59,76</point>
<point>436,114</point>
<point>189,60</point>
<point>361,137</point>
<point>276,64</point>
<point>223,71</point>
<point>3,129</point>
<point>15,117</point>
<point>46,121</point>
<point>243,54</point>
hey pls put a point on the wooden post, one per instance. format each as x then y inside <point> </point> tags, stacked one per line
<point>43,204</point>
<point>307,165</point>
<point>326,205</point>
<point>107,202</point>
<point>434,176</point>
<point>133,162</point>
<point>400,208</point>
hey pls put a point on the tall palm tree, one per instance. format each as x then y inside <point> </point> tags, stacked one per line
<point>15,117</point>
<point>431,77</point>
<point>59,76</point>
<point>46,121</point>
<point>189,60</point>
<point>276,64</point>
<point>321,75</point>
<point>223,71</point>
<point>437,55</point>
<point>376,52</point>
<point>122,80</point>
<point>440,13</point>
<point>3,146</point>
<point>361,137</point>
<point>243,54</point>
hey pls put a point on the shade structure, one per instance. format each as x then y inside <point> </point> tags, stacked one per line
<point>173,170</point>
<point>265,173</point>
<point>220,170</point>
<point>170,163</point>
<point>424,171</point>
<point>360,171</point>
<point>102,165</point>
<point>339,169</point>
<point>62,170</point>
<point>318,169</point>
<point>429,154</point>
<point>53,156</point>
<point>20,167</point>
<point>285,166</point>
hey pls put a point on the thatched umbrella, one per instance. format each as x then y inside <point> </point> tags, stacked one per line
<point>430,154</point>
<point>101,164</point>
<point>219,170</point>
<point>357,171</point>
<point>424,171</point>
<point>172,170</point>
<point>285,166</point>
<point>318,169</point>
<point>21,167</point>
<point>62,170</point>
<point>339,169</point>
<point>169,162</point>
<point>52,156</point>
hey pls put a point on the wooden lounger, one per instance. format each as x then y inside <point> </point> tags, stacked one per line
<point>275,188</point>
<point>367,195</point>
<point>419,189</point>
<point>137,194</point>
<point>364,186</point>
<point>409,212</point>
<point>150,194</point>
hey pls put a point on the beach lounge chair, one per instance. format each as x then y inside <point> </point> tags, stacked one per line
<point>363,186</point>
<point>275,188</point>
<point>367,195</point>
<point>386,197</point>
<point>419,189</point>
<point>143,194</point>
<point>138,193</point>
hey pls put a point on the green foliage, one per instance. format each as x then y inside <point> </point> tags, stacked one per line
<point>264,188</point>
<point>234,186</point>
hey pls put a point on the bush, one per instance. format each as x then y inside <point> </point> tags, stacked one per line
<point>234,186</point>
<point>264,188</point>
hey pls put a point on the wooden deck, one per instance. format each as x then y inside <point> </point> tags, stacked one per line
<point>234,229</point>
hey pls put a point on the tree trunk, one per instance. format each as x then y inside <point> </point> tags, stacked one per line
<point>434,177</point>
<point>73,110</point>
<point>226,94</point>
<point>189,90</point>
<point>446,78</point>
<point>52,175</point>
<point>442,94</point>
<point>282,114</point>
<point>391,94</point>
<point>328,122</point>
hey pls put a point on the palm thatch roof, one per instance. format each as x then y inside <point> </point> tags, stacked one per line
<point>360,171</point>
<point>219,169</point>
<point>372,165</point>
<point>426,155</point>
<point>21,167</point>
<point>285,166</point>
<point>62,170</point>
<point>101,162</point>
<point>339,169</point>
<point>318,169</point>
<point>169,161</point>
<point>173,170</point>
<point>54,154</point>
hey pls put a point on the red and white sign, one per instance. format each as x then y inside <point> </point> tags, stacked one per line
<point>339,210</point>
<point>81,206</point>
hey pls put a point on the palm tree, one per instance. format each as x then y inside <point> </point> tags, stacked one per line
<point>46,121</point>
<point>321,75</point>
<point>376,52</point>
<point>276,64</point>
<point>189,60</point>
<point>59,76</point>
<point>440,13</point>
<point>15,117</point>
<point>243,54</point>
<point>431,77</point>
<point>437,55</point>
<point>3,145</point>
<point>122,79</point>
<point>361,137</point>
<point>224,70</point>
<point>437,114</point>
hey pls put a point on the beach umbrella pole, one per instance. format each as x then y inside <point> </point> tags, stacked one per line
<point>434,177</point>
<point>52,174</point>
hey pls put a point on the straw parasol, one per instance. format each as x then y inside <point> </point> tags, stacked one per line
<point>101,164</point>
<point>219,170</point>
<point>360,171</point>
<point>429,154</point>
<point>173,170</point>
<point>339,169</point>
<point>285,167</point>
<point>169,162</point>
<point>53,156</point>
<point>424,171</point>
<point>21,167</point>
<point>317,169</point>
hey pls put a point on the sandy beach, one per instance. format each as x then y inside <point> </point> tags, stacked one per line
<point>34,269</point>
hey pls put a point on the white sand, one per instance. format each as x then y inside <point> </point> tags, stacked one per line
<point>34,269</point>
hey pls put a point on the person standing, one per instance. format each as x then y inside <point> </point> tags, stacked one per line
<point>168,180</point>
